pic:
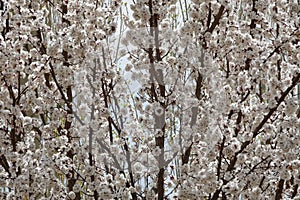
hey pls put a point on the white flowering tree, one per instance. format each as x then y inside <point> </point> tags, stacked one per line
<point>150,99</point>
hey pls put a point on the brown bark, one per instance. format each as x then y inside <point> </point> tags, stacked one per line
<point>279,190</point>
<point>157,76</point>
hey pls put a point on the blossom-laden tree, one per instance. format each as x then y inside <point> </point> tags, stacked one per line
<point>150,99</point>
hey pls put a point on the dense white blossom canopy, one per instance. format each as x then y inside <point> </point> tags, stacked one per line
<point>150,99</point>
